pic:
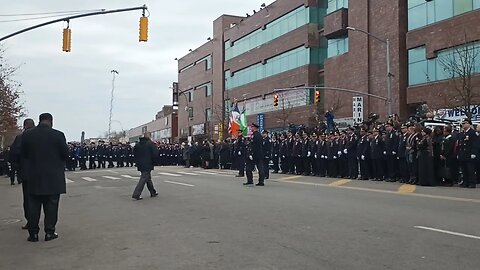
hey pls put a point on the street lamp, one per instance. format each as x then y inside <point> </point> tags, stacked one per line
<point>389,74</point>
<point>114,72</point>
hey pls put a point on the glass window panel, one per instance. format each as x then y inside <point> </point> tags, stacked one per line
<point>292,60</point>
<point>443,10</point>
<point>462,6</point>
<point>431,71</point>
<point>284,63</point>
<point>417,17</point>
<point>441,72</point>
<point>268,70</point>
<point>276,67</point>
<point>416,54</point>
<point>476,4</point>
<point>430,12</point>
<point>416,73</point>
<point>413,3</point>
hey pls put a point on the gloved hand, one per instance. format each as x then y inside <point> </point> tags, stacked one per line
<point>323,157</point>
<point>250,157</point>
<point>384,152</point>
<point>334,157</point>
<point>239,153</point>
<point>394,153</point>
<point>473,156</point>
<point>283,156</point>
<point>309,154</point>
<point>345,151</point>
<point>315,156</point>
<point>363,157</point>
<point>339,153</point>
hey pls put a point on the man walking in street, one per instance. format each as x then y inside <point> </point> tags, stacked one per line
<point>45,151</point>
<point>145,154</point>
<point>20,164</point>
<point>255,158</point>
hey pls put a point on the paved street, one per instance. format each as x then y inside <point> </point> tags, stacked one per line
<point>206,219</point>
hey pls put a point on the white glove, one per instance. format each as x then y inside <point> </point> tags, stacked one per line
<point>334,157</point>
<point>283,156</point>
<point>345,151</point>
<point>239,153</point>
<point>315,156</point>
<point>394,153</point>
<point>309,154</point>
<point>323,157</point>
<point>339,153</point>
<point>384,152</point>
<point>363,157</point>
<point>250,157</point>
<point>473,156</point>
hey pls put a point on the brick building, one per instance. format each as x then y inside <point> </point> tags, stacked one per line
<point>247,58</point>
<point>295,43</point>
<point>163,129</point>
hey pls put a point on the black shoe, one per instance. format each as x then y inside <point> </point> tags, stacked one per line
<point>33,238</point>
<point>260,184</point>
<point>137,198</point>
<point>24,227</point>
<point>472,186</point>
<point>239,175</point>
<point>153,195</point>
<point>247,183</point>
<point>12,184</point>
<point>51,236</point>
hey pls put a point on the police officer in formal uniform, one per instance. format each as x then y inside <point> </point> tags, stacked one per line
<point>101,154</point>
<point>297,154</point>
<point>284,154</point>
<point>351,153</point>
<point>467,153</point>
<point>267,149</point>
<point>391,148</point>
<point>321,155</point>
<point>306,155</point>
<point>255,157</point>
<point>275,153</point>
<point>377,155</point>
<point>363,154</point>
<point>92,156</point>
<point>240,152</point>
<point>402,174</point>
<point>290,156</point>
<point>83,156</point>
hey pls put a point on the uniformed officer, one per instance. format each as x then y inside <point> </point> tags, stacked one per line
<point>255,158</point>
<point>363,154</point>
<point>377,155</point>
<point>101,154</point>
<point>92,156</point>
<point>351,152</point>
<point>306,155</point>
<point>284,154</point>
<point>391,148</point>
<point>267,149</point>
<point>402,173</point>
<point>275,153</point>
<point>240,152</point>
<point>467,154</point>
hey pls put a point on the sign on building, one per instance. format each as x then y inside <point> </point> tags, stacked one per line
<point>198,129</point>
<point>288,99</point>
<point>261,122</point>
<point>457,114</point>
<point>358,109</point>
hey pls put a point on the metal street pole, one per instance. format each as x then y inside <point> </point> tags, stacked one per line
<point>113,71</point>
<point>389,73</point>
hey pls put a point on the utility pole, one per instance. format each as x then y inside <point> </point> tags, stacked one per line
<point>114,72</point>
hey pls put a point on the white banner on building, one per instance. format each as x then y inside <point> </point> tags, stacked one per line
<point>287,99</point>
<point>457,114</point>
<point>358,109</point>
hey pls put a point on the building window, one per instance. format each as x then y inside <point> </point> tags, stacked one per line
<point>337,46</point>
<point>208,60</point>
<point>422,13</point>
<point>190,96</point>
<point>334,5</point>
<point>279,27</point>
<point>190,112</point>
<point>422,70</point>
<point>208,114</point>
<point>208,89</point>
<point>286,61</point>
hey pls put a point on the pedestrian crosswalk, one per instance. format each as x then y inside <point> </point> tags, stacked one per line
<point>111,175</point>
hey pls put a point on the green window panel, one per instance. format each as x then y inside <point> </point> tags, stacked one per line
<point>279,27</point>
<point>422,70</point>
<point>334,5</point>
<point>292,59</point>
<point>337,46</point>
<point>422,13</point>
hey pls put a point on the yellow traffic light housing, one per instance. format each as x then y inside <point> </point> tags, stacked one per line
<point>143,29</point>
<point>317,96</point>
<point>67,39</point>
<point>275,100</point>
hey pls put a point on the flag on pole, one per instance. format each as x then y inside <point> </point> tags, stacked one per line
<point>243,122</point>
<point>234,123</point>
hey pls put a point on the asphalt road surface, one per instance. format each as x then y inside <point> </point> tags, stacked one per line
<point>206,219</point>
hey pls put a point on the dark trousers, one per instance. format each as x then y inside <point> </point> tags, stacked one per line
<point>110,163</point>
<point>307,165</point>
<point>364,169</point>
<point>352,166</point>
<point>266,167</point>
<point>298,165</point>
<point>101,163</point>
<point>275,164</point>
<point>284,165</point>
<point>332,168</point>
<point>413,168</point>
<point>25,200</point>
<point>321,167</point>
<point>145,178</point>
<point>378,172</point>
<point>291,164</point>
<point>241,166</point>
<point>391,167</point>
<point>50,210</point>
<point>12,174</point>
<point>250,166</point>
<point>92,164</point>
<point>468,170</point>
<point>403,173</point>
<point>83,164</point>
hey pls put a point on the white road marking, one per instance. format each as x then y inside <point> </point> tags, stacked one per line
<point>209,173</point>
<point>188,173</point>
<point>111,177</point>
<point>89,179</point>
<point>448,232</point>
<point>177,183</point>
<point>129,176</point>
<point>68,181</point>
<point>169,174</point>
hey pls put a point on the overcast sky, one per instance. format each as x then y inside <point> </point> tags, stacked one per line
<point>75,87</point>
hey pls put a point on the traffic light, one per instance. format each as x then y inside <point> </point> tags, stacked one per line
<point>275,100</point>
<point>143,29</point>
<point>67,39</point>
<point>317,96</point>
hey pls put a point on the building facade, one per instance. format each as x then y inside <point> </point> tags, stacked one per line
<point>337,45</point>
<point>246,61</point>
<point>163,129</point>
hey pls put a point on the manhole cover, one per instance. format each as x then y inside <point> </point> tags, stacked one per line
<point>9,221</point>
